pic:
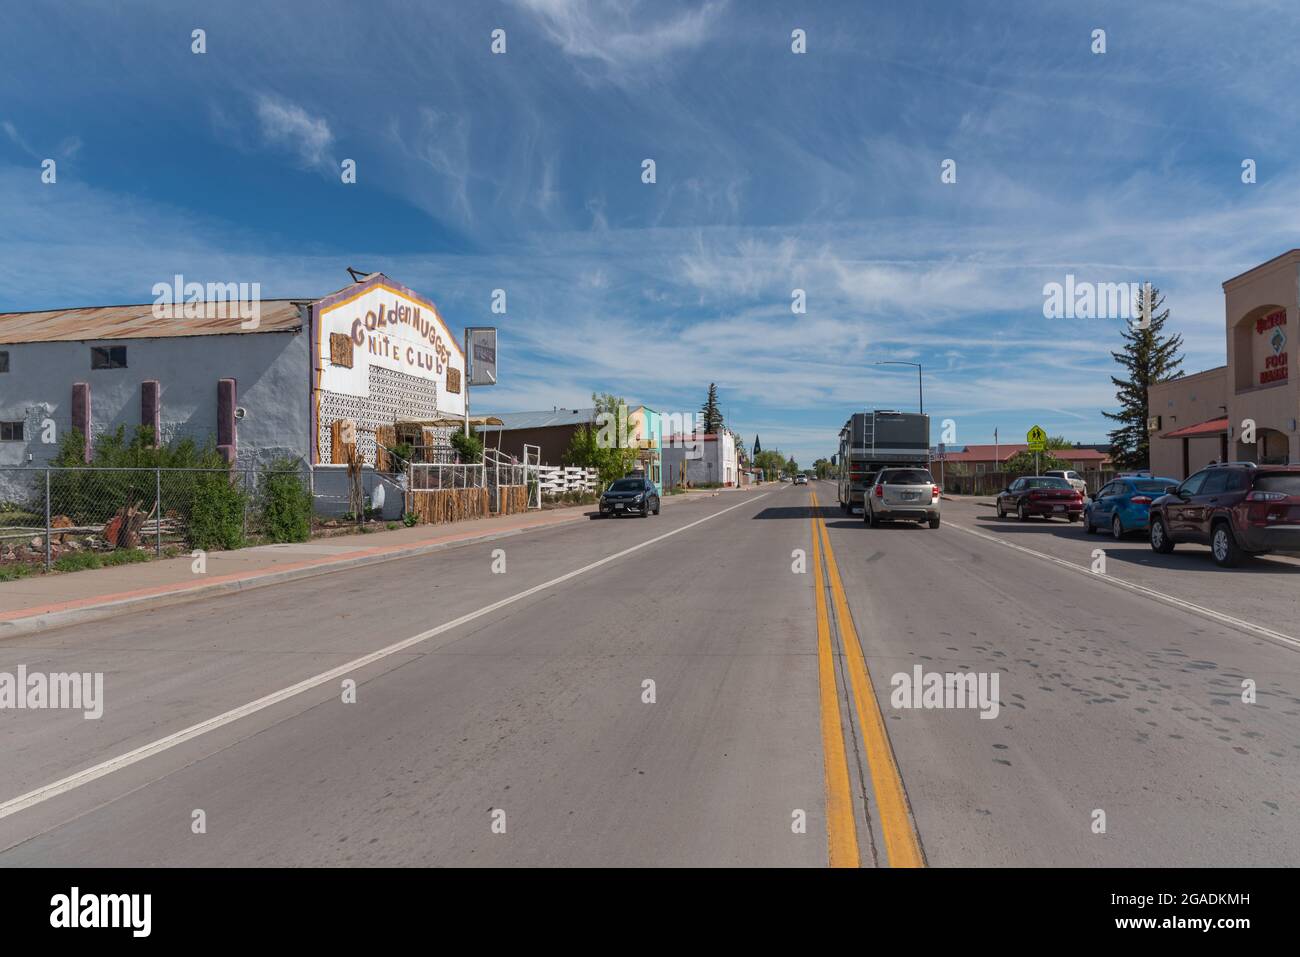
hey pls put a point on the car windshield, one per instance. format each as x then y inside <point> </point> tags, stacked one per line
<point>906,477</point>
<point>627,485</point>
<point>1046,483</point>
<point>1286,482</point>
<point>1153,485</point>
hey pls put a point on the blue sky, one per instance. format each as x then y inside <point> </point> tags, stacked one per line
<point>775,171</point>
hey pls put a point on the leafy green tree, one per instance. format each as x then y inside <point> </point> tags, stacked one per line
<point>771,461</point>
<point>1022,463</point>
<point>710,413</point>
<point>589,447</point>
<point>1148,356</point>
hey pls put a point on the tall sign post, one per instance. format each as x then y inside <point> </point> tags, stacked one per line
<point>1037,440</point>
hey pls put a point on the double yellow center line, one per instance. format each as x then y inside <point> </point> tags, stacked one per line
<point>902,847</point>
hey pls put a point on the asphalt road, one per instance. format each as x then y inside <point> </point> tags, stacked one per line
<point>507,717</point>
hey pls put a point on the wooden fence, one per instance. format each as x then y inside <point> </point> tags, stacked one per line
<point>438,506</point>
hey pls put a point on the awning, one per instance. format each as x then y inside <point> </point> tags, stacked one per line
<point>1211,427</point>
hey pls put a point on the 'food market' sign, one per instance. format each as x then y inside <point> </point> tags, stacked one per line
<point>1272,330</point>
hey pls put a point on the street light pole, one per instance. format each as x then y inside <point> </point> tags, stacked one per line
<point>920,386</point>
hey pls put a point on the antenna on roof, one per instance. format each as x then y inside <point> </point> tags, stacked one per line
<point>357,275</point>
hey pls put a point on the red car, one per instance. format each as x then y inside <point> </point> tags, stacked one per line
<point>1042,495</point>
<point>1237,508</point>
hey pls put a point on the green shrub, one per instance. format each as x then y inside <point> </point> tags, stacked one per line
<point>216,513</point>
<point>468,447</point>
<point>286,503</point>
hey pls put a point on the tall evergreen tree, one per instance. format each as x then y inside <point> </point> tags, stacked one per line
<point>1148,357</point>
<point>710,412</point>
<point>758,447</point>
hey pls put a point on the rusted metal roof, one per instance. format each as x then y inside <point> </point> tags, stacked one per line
<point>139,322</point>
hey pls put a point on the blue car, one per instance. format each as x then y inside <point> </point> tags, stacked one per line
<point>1124,505</point>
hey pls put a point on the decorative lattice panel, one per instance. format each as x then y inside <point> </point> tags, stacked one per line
<point>394,397</point>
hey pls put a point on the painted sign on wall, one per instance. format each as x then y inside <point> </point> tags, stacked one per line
<point>393,330</point>
<point>1270,347</point>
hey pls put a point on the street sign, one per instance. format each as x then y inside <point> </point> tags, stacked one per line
<point>482,348</point>
<point>1037,439</point>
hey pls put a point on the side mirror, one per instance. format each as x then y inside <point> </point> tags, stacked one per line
<point>1171,489</point>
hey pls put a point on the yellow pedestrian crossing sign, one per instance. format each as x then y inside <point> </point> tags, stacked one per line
<point>1037,439</point>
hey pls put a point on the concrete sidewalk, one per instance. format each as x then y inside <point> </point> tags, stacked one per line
<point>48,601</point>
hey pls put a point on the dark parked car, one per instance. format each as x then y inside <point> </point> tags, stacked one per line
<point>1123,505</point>
<point>1040,495</point>
<point>630,496</point>
<point>1236,508</point>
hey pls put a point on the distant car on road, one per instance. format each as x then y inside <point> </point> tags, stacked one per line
<point>1123,505</point>
<point>1070,475</point>
<point>1049,496</point>
<point>1237,508</point>
<point>629,496</point>
<point>902,494</point>
<point>801,480</point>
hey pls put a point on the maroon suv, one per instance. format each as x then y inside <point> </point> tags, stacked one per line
<point>1236,508</point>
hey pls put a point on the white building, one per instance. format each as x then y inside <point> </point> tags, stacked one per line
<point>700,460</point>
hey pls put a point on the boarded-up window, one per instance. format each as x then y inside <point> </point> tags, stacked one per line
<point>453,381</point>
<point>341,350</point>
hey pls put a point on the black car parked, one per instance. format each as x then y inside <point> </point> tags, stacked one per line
<point>630,496</point>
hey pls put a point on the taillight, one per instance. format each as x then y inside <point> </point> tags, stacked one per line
<point>934,491</point>
<point>1265,496</point>
<point>880,491</point>
<point>1141,500</point>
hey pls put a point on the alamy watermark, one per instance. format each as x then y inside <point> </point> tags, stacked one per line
<point>977,691</point>
<point>25,690</point>
<point>179,299</point>
<point>1098,300</point>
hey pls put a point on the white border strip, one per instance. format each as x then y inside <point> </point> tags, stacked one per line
<point>1201,610</point>
<point>80,778</point>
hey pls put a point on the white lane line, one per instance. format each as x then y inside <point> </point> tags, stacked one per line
<point>1160,596</point>
<point>73,781</point>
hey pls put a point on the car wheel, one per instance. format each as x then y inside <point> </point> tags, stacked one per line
<point>1001,512</point>
<point>1022,513</point>
<point>1072,516</point>
<point>657,504</point>
<point>934,522</point>
<point>869,516</point>
<point>1087,524</point>
<point>1227,553</point>
<point>1116,528</point>
<point>1160,540</point>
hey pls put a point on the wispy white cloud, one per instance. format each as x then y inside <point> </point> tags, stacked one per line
<point>620,34</point>
<point>287,125</point>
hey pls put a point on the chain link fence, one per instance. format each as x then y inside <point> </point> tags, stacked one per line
<point>53,514</point>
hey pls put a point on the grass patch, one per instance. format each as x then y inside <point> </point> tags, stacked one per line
<point>11,573</point>
<point>80,561</point>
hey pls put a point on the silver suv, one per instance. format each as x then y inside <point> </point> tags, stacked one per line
<point>902,494</point>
